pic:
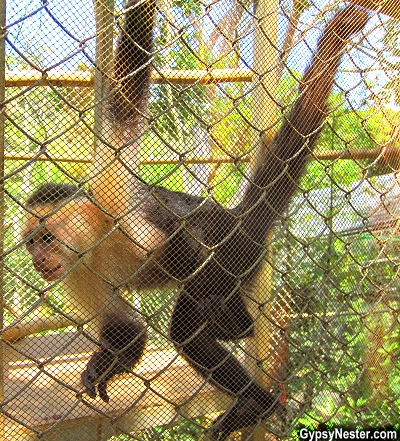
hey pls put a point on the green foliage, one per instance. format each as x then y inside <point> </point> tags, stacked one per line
<point>391,43</point>
<point>336,283</point>
<point>344,130</point>
<point>184,431</point>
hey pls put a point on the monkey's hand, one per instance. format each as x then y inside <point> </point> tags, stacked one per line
<point>122,343</point>
<point>101,367</point>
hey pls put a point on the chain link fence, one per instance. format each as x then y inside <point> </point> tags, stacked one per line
<point>326,300</point>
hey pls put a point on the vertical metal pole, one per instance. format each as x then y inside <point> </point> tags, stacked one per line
<point>264,118</point>
<point>104,16</point>
<point>2,98</point>
<point>265,74</point>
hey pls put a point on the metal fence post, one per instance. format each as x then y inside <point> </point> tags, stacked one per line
<point>104,15</point>
<point>264,118</point>
<point>2,98</point>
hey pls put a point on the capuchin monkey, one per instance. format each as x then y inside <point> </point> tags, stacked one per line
<point>126,233</point>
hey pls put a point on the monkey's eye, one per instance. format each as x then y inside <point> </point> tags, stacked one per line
<point>31,241</point>
<point>47,238</point>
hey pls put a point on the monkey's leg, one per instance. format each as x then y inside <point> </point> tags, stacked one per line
<point>122,344</point>
<point>218,365</point>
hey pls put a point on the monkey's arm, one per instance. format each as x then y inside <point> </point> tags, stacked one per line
<point>113,184</point>
<point>241,232</point>
<point>132,63</point>
<point>114,170</point>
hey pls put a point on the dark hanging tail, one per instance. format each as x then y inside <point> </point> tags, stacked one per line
<point>132,62</point>
<point>276,180</point>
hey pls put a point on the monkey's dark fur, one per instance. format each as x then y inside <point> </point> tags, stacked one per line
<point>123,344</point>
<point>213,253</point>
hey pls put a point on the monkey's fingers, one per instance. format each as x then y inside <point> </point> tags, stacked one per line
<point>95,372</point>
<point>102,389</point>
<point>88,382</point>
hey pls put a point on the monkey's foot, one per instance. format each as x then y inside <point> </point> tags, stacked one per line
<point>246,412</point>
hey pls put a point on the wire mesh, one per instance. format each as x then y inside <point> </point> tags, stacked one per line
<point>151,201</point>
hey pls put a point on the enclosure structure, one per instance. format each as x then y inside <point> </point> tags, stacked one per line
<point>325,303</point>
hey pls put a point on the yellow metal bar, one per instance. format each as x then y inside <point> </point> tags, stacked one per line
<point>70,78</point>
<point>3,435</point>
<point>328,155</point>
<point>264,119</point>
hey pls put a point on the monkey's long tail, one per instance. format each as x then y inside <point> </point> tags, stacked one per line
<point>276,179</point>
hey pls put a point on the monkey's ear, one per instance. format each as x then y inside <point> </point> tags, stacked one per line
<point>80,215</point>
<point>92,214</point>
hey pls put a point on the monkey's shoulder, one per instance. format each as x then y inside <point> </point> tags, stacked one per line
<point>163,204</point>
<point>197,219</point>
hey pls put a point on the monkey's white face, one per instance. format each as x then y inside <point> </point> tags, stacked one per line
<point>57,236</point>
<point>47,255</point>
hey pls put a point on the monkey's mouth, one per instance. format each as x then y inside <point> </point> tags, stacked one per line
<point>50,274</point>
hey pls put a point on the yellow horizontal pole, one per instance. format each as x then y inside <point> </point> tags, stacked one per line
<point>88,159</point>
<point>174,76</point>
<point>12,156</point>
<point>356,155</point>
<point>69,78</point>
<point>55,77</point>
<point>329,155</point>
